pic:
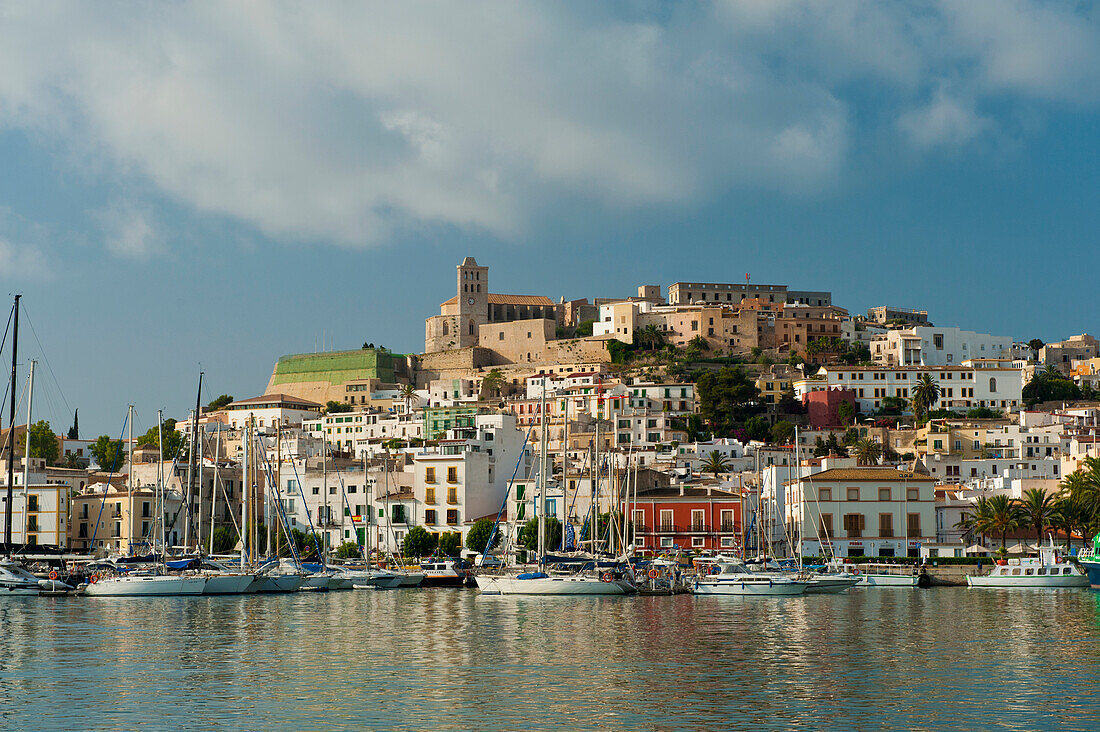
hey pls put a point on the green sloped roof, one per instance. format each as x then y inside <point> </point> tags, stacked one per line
<point>334,367</point>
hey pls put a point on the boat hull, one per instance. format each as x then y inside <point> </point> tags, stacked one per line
<point>150,586</point>
<point>229,584</point>
<point>888,580</point>
<point>1029,582</point>
<point>743,587</point>
<point>18,590</point>
<point>552,586</point>
<point>410,579</point>
<point>277,583</point>
<point>1092,570</point>
<point>830,584</point>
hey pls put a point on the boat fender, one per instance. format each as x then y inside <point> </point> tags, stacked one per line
<point>606,577</point>
<point>53,574</point>
<point>654,574</point>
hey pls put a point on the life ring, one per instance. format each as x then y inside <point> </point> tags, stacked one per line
<point>53,574</point>
<point>606,577</point>
<point>654,574</point>
<point>93,579</point>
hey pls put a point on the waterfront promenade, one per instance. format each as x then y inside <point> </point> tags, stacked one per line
<point>945,658</point>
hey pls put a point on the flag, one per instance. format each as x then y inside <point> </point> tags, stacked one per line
<point>570,537</point>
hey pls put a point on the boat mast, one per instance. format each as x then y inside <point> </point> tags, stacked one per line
<point>11,429</point>
<point>273,546</point>
<point>595,482</point>
<point>245,495</point>
<point>541,510</point>
<point>27,451</point>
<point>214,487</point>
<point>130,481</point>
<point>158,500</point>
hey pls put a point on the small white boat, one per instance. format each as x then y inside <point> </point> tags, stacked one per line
<point>228,583</point>
<point>733,578</point>
<point>541,583</point>
<point>278,576</point>
<point>146,585</point>
<point>375,579</point>
<point>15,579</point>
<point>887,575</point>
<point>828,583</point>
<point>1048,570</point>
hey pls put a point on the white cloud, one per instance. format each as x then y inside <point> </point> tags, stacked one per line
<point>129,231</point>
<point>943,121</point>
<point>345,121</point>
<point>21,261</point>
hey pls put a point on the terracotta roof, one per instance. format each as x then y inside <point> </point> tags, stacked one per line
<point>874,474</point>
<point>278,398</point>
<point>510,300</point>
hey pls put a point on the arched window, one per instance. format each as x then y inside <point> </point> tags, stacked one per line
<point>446,329</point>
<point>471,327</point>
<point>992,385</point>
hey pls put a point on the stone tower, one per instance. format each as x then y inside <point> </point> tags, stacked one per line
<point>473,300</point>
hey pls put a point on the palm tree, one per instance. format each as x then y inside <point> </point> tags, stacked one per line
<point>651,337</point>
<point>1005,515</point>
<point>868,452</point>
<point>1072,512</point>
<point>716,463</point>
<point>1038,505</point>
<point>925,394</point>
<point>408,393</point>
<point>976,523</point>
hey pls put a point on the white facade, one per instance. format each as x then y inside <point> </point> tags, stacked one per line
<point>270,411</point>
<point>961,387</point>
<point>931,346</point>
<point>40,509</point>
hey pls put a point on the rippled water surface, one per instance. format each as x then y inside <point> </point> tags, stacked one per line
<point>452,659</point>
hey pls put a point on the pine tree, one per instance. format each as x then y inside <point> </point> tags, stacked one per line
<point>74,431</point>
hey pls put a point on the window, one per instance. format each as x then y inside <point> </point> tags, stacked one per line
<point>452,494</point>
<point>429,475</point>
<point>83,532</point>
<point>853,494</point>
<point>886,525</point>
<point>666,520</point>
<point>825,494</point>
<point>398,514</point>
<point>697,520</point>
<point>639,520</point>
<point>992,385</point>
<point>452,474</point>
<point>351,489</point>
<point>429,495</point>
<point>32,503</point>
<point>32,523</point>
<point>913,494</point>
<point>826,525</point>
<point>452,516</point>
<point>884,494</point>
<point>854,524</point>
<point>316,490</point>
<point>727,521</point>
<point>145,512</point>
<point>914,524</point>
<point>429,516</point>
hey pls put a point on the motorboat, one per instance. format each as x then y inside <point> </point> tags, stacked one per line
<point>375,579</point>
<point>887,575</point>
<point>1048,570</point>
<point>734,578</point>
<point>1089,558</point>
<point>15,579</point>
<point>555,583</point>
<point>829,583</point>
<point>443,573</point>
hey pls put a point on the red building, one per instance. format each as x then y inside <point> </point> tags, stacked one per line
<point>821,406</point>
<point>691,518</point>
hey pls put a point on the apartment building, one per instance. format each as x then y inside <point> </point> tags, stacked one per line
<point>884,314</point>
<point>961,387</point>
<point>871,511</point>
<point>1062,354</point>
<point>928,346</point>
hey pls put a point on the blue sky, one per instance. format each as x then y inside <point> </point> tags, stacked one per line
<point>187,183</point>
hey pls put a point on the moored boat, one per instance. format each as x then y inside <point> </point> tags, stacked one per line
<point>542,583</point>
<point>1048,570</point>
<point>1089,558</point>
<point>146,585</point>
<point>733,578</point>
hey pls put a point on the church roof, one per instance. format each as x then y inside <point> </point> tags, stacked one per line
<point>510,300</point>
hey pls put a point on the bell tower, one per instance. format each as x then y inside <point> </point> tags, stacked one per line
<point>473,300</point>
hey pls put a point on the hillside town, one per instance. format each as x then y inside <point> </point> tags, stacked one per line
<point>708,417</point>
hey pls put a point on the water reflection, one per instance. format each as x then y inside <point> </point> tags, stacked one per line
<point>451,659</point>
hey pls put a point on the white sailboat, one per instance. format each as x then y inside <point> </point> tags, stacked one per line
<point>734,578</point>
<point>542,582</point>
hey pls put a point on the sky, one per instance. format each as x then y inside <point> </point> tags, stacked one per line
<point>201,185</point>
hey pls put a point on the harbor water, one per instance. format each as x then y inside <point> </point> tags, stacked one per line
<point>938,659</point>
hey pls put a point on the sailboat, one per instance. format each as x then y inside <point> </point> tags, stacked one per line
<point>549,582</point>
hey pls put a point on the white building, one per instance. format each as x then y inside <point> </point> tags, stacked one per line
<point>40,508</point>
<point>932,346</point>
<point>961,387</point>
<point>271,410</point>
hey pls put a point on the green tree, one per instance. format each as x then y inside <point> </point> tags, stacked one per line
<point>782,432</point>
<point>975,523</point>
<point>926,393</point>
<point>43,442</point>
<point>492,383</point>
<point>74,431</point>
<point>225,539</point>
<point>529,534</point>
<point>407,392</point>
<point>851,437</point>
<point>174,440</point>
<point>1038,505</point>
<point>1036,344</point>
<point>868,452</point>
<point>108,453</point>
<point>845,412</point>
<point>450,543</point>
<point>758,428</point>
<point>584,328</point>
<point>419,542</point>
<point>478,535</point>
<point>348,550</point>
<point>727,398</point>
<point>223,401</point>
<point>715,463</point>
<point>696,347</point>
<point>333,407</point>
<point>1049,386</point>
